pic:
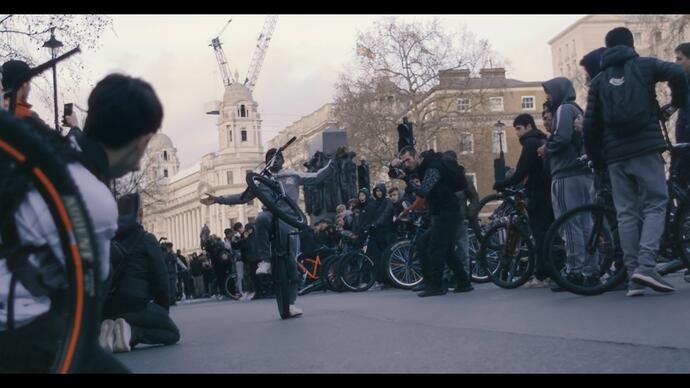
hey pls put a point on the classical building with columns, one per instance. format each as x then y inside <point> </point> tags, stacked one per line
<point>174,212</point>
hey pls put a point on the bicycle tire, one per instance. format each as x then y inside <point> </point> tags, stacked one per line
<point>478,273</point>
<point>491,198</point>
<point>520,270</point>
<point>356,272</point>
<point>403,269</point>
<point>230,289</point>
<point>281,284</point>
<point>333,282</point>
<point>554,255</point>
<point>682,233</point>
<point>283,207</point>
<point>31,156</point>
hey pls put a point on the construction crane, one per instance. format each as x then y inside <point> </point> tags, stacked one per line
<point>228,79</point>
<point>260,51</point>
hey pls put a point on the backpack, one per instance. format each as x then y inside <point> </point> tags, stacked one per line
<point>624,97</point>
<point>455,173</point>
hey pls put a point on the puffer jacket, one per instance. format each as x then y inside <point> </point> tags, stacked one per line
<point>602,144</point>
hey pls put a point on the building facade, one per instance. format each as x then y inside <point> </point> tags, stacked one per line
<point>175,212</point>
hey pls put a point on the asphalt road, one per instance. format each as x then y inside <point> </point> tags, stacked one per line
<point>488,330</point>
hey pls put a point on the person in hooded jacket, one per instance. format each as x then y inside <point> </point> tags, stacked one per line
<point>633,159</point>
<point>530,169</point>
<point>140,291</point>
<point>363,214</point>
<point>381,230</point>
<point>572,183</point>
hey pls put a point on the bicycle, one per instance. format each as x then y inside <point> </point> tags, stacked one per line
<point>272,195</point>
<point>356,269</point>
<point>507,251</point>
<point>312,270</point>
<point>603,241</point>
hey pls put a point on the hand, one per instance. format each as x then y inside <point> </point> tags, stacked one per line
<point>541,151</point>
<point>210,200</point>
<point>578,123</point>
<point>71,120</point>
<point>396,162</point>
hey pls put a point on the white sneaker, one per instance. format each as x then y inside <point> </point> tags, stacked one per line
<point>264,268</point>
<point>123,334</point>
<point>106,336</point>
<point>295,311</point>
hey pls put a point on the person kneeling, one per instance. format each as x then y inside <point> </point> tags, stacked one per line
<point>137,307</point>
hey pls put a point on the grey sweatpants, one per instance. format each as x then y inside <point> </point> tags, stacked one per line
<point>640,196</point>
<point>462,243</point>
<point>264,226</point>
<point>568,193</point>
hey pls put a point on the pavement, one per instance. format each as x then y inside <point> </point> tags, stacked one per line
<point>489,330</point>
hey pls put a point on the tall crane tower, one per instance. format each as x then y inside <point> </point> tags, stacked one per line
<point>260,51</point>
<point>255,64</point>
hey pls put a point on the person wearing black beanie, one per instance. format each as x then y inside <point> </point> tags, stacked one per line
<point>620,36</point>
<point>592,62</point>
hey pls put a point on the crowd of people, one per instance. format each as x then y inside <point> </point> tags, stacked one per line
<point>618,133</point>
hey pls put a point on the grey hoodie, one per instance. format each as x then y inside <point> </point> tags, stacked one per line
<point>564,145</point>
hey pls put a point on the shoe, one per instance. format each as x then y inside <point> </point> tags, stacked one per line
<point>635,289</point>
<point>378,286</point>
<point>419,287</point>
<point>432,292</point>
<point>123,334</point>
<point>264,268</point>
<point>467,287</point>
<point>106,335</point>
<point>650,278</point>
<point>669,267</point>
<point>294,311</point>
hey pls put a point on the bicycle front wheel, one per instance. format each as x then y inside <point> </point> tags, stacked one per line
<point>357,272</point>
<point>403,268</point>
<point>507,255</point>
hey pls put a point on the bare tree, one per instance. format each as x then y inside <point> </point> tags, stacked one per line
<point>22,37</point>
<point>396,74</point>
<point>146,181</point>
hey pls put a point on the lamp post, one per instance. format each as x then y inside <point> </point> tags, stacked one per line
<point>500,163</point>
<point>54,44</point>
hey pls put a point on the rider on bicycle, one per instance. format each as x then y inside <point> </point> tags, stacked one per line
<point>290,181</point>
<point>124,114</point>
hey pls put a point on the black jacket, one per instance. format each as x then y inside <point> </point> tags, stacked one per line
<point>145,275</point>
<point>601,144</point>
<point>530,165</point>
<point>683,122</point>
<point>382,218</point>
<point>436,185</point>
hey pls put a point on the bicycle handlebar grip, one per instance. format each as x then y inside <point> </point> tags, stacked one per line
<point>288,143</point>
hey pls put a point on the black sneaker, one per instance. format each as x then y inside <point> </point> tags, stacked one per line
<point>419,287</point>
<point>467,287</point>
<point>432,292</point>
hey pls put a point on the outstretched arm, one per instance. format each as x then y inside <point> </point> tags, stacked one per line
<point>315,178</point>
<point>232,199</point>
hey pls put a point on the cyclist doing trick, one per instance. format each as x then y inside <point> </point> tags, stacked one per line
<point>290,181</point>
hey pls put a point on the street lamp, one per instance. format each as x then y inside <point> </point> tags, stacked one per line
<point>54,44</point>
<point>500,163</point>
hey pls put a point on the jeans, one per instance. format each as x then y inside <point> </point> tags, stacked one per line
<point>436,248</point>
<point>151,325</point>
<point>264,228</point>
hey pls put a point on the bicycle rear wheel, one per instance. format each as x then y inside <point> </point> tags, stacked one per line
<point>478,274</point>
<point>403,268</point>
<point>28,161</point>
<point>281,284</point>
<point>271,196</point>
<point>601,243</point>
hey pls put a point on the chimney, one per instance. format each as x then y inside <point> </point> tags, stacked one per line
<point>498,72</point>
<point>452,76</point>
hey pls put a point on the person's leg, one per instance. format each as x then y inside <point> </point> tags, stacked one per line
<point>454,259</point>
<point>566,196</point>
<point>239,267</point>
<point>293,250</point>
<point>462,243</point>
<point>540,215</point>
<point>649,171</point>
<point>625,191</point>
<point>442,230</point>
<point>422,249</point>
<point>264,226</point>
<point>152,326</point>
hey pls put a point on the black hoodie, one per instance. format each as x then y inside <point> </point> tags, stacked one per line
<point>530,165</point>
<point>602,145</point>
<point>382,218</point>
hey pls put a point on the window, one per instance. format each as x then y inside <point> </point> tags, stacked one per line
<point>244,135</point>
<point>165,173</point>
<point>527,102</point>
<point>464,104</point>
<point>165,155</point>
<point>638,37</point>
<point>466,143</point>
<point>471,178</point>
<point>243,111</point>
<point>657,36</point>
<point>229,176</point>
<point>495,142</point>
<point>567,51</point>
<point>496,104</point>
<point>251,220</point>
<point>229,133</point>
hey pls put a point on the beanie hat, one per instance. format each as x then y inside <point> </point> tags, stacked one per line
<point>12,72</point>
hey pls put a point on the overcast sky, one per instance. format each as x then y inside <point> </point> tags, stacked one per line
<point>300,68</point>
